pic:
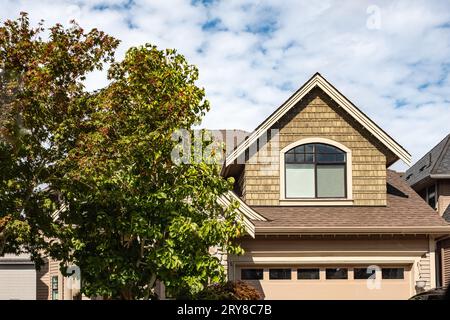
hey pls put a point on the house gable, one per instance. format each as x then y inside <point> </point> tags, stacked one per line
<point>316,118</point>
<point>317,81</point>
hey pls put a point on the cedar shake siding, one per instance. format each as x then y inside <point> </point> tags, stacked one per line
<point>318,116</point>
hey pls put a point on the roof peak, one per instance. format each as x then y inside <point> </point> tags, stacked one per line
<point>317,80</point>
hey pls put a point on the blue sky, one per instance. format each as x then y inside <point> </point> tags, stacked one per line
<point>391,58</point>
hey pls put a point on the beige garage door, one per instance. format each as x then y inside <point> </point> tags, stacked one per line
<point>17,282</point>
<point>330,281</point>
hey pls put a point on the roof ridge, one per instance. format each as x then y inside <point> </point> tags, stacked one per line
<point>443,151</point>
<point>318,81</point>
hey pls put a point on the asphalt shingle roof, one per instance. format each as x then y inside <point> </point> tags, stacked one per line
<point>436,161</point>
<point>404,209</point>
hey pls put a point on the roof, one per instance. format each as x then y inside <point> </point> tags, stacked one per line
<point>16,259</point>
<point>318,81</point>
<point>434,162</point>
<point>405,212</point>
<point>247,214</point>
<point>446,214</point>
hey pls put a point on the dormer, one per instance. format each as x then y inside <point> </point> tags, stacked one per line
<point>316,149</point>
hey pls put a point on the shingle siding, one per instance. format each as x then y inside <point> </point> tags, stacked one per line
<point>318,116</point>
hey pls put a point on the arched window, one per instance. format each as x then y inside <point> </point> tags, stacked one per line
<point>315,170</point>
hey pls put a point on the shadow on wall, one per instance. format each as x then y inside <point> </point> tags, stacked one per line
<point>42,282</point>
<point>394,191</point>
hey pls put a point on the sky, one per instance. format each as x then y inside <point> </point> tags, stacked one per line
<point>390,58</point>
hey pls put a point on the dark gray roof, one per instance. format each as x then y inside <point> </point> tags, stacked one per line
<point>446,214</point>
<point>436,161</point>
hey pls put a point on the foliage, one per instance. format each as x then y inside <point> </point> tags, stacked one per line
<point>40,84</point>
<point>231,290</point>
<point>130,213</point>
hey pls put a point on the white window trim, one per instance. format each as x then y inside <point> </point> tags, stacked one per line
<point>322,201</point>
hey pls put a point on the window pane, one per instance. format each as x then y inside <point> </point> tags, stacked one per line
<point>309,148</point>
<point>323,148</point>
<point>279,274</point>
<point>326,157</point>
<point>330,181</point>
<point>432,196</point>
<point>299,158</point>
<point>55,290</point>
<point>309,157</point>
<point>363,273</point>
<point>289,158</point>
<point>432,202</point>
<point>308,274</point>
<point>392,273</point>
<point>300,149</point>
<point>251,274</point>
<point>340,157</point>
<point>299,180</point>
<point>336,273</point>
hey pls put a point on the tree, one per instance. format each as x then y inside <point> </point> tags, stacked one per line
<point>131,213</point>
<point>41,84</point>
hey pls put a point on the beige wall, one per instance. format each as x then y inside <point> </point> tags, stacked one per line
<point>411,252</point>
<point>443,195</point>
<point>341,289</point>
<point>444,248</point>
<point>318,116</point>
<point>44,281</point>
<point>335,244</point>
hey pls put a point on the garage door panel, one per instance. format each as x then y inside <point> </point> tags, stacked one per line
<point>339,289</point>
<point>17,281</point>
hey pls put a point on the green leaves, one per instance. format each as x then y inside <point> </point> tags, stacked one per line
<point>132,215</point>
<point>41,93</point>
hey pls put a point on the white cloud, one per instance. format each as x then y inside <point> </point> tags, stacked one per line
<point>254,54</point>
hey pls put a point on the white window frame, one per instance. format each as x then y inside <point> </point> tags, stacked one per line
<point>317,201</point>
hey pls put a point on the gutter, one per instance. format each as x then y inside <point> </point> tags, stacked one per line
<point>440,176</point>
<point>351,230</point>
<point>16,261</point>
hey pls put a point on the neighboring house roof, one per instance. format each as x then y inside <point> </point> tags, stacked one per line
<point>405,212</point>
<point>446,214</point>
<point>434,163</point>
<point>318,81</point>
<point>16,259</point>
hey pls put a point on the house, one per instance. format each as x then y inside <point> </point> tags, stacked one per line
<point>325,216</point>
<point>430,178</point>
<point>19,280</point>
